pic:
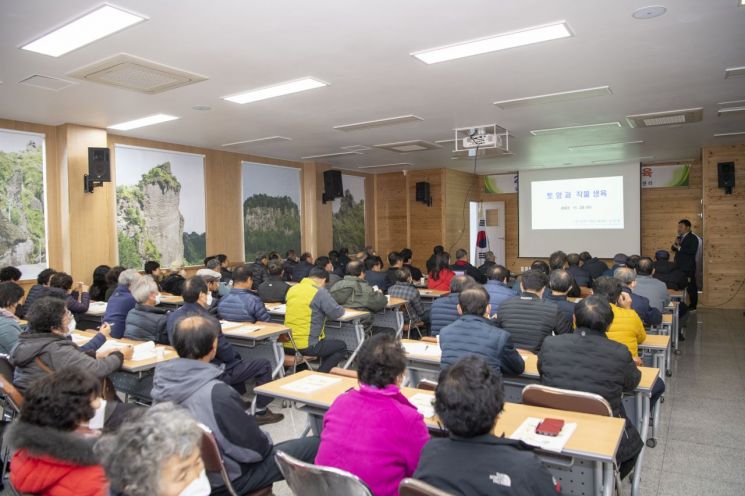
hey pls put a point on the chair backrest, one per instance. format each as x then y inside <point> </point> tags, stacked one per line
<point>566,399</point>
<point>427,385</point>
<point>413,487</point>
<point>6,368</point>
<point>212,459</point>
<point>313,480</point>
<point>344,372</point>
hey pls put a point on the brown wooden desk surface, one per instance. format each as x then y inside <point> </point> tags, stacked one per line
<point>432,293</point>
<point>395,302</point>
<point>649,375</point>
<point>667,318</point>
<point>349,313</point>
<point>171,299</point>
<point>240,330</point>
<point>676,293</point>
<point>22,322</point>
<point>655,342</point>
<point>595,437</point>
<point>139,365</point>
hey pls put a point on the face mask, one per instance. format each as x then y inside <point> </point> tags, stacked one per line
<point>209,299</point>
<point>198,487</point>
<point>157,299</point>
<point>72,325</point>
<point>96,422</point>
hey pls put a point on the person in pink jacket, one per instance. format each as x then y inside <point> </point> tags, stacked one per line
<point>374,432</point>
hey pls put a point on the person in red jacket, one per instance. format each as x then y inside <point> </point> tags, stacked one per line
<point>441,274</point>
<point>52,441</point>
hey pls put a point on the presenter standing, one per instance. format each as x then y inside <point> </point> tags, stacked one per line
<point>685,248</point>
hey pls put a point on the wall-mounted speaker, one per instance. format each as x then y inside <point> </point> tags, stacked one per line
<point>332,185</point>
<point>726,176</point>
<point>423,194</point>
<point>99,168</point>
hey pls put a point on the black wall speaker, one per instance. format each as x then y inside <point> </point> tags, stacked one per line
<point>726,176</point>
<point>422,193</point>
<point>99,165</point>
<point>332,186</point>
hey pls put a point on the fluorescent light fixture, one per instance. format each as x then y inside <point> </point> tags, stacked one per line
<point>389,121</point>
<point>332,155</point>
<point>102,22</point>
<point>557,130</point>
<point>730,110</point>
<point>494,43</point>
<point>731,72</point>
<point>615,161</point>
<point>731,102</point>
<point>562,96</point>
<point>145,121</point>
<point>401,164</point>
<point>603,146</point>
<point>257,141</point>
<point>735,133</point>
<point>276,90</point>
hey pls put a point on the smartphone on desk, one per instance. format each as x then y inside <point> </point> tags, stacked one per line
<point>550,427</point>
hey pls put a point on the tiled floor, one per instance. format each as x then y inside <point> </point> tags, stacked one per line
<point>699,443</point>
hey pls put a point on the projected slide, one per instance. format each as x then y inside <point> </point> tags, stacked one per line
<point>582,203</point>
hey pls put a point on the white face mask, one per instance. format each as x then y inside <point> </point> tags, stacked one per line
<point>72,325</point>
<point>198,487</point>
<point>157,299</point>
<point>209,299</point>
<point>96,422</point>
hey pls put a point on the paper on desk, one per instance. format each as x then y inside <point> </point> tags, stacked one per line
<point>526,433</point>
<point>424,404</point>
<point>422,349</point>
<point>79,339</point>
<point>279,309</point>
<point>311,384</point>
<point>96,308</point>
<point>249,328</point>
<point>226,326</point>
<point>142,351</point>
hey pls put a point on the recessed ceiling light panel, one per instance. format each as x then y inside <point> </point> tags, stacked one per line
<point>566,129</point>
<point>102,22</point>
<point>46,82</point>
<point>733,72</point>
<point>603,146</point>
<point>276,90</point>
<point>389,121</point>
<point>258,141</point>
<point>502,41</point>
<point>332,155</point>
<point>144,121</point>
<point>735,133</point>
<point>408,146</point>
<point>400,164</point>
<point>671,117</point>
<point>730,110</point>
<point>563,96</point>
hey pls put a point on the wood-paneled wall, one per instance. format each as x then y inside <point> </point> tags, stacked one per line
<point>425,223</point>
<point>460,189</point>
<point>391,224</point>
<point>724,235</point>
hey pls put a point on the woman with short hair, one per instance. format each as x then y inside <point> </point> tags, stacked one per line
<point>374,432</point>
<point>156,453</point>
<point>52,441</point>
<point>10,328</point>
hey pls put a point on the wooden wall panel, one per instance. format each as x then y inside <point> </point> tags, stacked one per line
<point>724,236</point>
<point>390,211</point>
<point>425,223</point>
<point>460,189</point>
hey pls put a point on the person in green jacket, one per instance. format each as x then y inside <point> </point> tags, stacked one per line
<point>354,292</point>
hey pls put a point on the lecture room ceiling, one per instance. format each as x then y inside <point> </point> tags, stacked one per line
<point>363,51</point>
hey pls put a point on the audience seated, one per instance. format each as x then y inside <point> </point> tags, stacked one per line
<point>474,334</point>
<point>667,272</point>
<point>325,264</point>
<point>146,321</point>
<point>10,297</point>
<point>38,290</point>
<point>374,432</point>
<point>120,303</point>
<point>354,292</point>
<point>52,441</point>
<point>273,289</point>
<point>291,260</point>
<point>78,300</point>
<point>640,304</point>
<point>593,265</point>
<point>343,260</point>
<point>473,461</point>
<point>242,304</point>
<point>432,260</point>
<point>407,254</point>
<point>99,286</point>
<point>633,261</point>
<point>235,370</point>
<point>155,453</point>
<point>309,305</point>
<point>558,261</point>
<point>10,274</point>
<point>374,274</point>
<point>404,288</point>
<point>260,272</point>
<point>588,361</point>
<point>112,280</point>
<point>46,348</point>
<point>497,286</point>
<point>440,276</point>
<point>395,262</point>
<point>528,317</point>
<point>216,288</point>
<point>193,382</point>
<point>152,269</point>
<point>580,274</point>
<point>559,284</point>
<point>619,260</point>
<point>490,260</point>
<point>463,267</point>
<point>301,270</point>
<point>627,328</point>
<point>445,308</point>
<point>649,287</point>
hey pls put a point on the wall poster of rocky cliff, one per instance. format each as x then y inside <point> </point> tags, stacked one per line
<point>23,241</point>
<point>160,207</point>
<point>349,214</point>
<point>271,209</point>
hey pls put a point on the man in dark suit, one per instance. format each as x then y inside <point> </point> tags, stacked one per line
<point>685,248</point>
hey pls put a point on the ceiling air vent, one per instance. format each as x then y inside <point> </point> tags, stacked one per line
<point>46,82</point>
<point>669,118</point>
<point>136,74</point>
<point>408,146</point>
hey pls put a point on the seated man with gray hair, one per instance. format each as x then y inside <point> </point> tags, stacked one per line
<point>639,303</point>
<point>120,303</point>
<point>146,321</point>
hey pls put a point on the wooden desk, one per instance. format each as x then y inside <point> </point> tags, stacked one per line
<point>140,365</point>
<point>171,300</point>
<point>432,293</point>
<point>22,322</point>
<point>261,343</point>
<point>595,439</point>
<point>350,314</point>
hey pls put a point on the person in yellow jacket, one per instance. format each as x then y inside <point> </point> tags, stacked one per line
<point>627,328</point>
<point>309,304</point>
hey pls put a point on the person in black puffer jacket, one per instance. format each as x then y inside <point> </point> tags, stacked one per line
<point>588,361</point>
<point>146,321</point>
<point>445,309</point>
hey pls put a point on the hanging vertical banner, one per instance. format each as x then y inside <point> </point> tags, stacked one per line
<point>500,183</point>
<point>665,176</point>
<point>482,243</point>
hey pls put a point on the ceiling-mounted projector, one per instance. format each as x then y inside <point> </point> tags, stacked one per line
<point>486,137</point>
